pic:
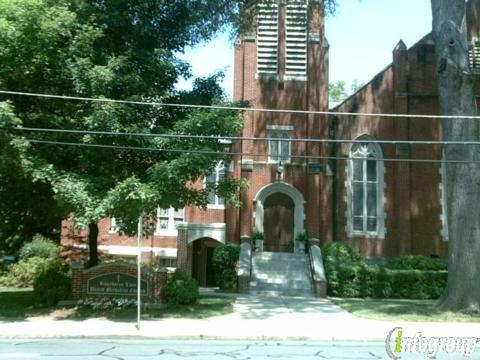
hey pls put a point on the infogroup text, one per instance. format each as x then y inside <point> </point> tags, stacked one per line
<point>397,344</point>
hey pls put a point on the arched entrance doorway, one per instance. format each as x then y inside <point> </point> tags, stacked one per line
<point>278,223</point>
<point>279,215</point>
<point>202,265</point>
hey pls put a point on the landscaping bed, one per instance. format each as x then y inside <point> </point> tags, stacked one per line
<point>408,277</point>
<point>20,304</point>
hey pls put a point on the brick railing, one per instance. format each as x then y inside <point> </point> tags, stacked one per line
<point>318,270</point>
<point>245,265</point>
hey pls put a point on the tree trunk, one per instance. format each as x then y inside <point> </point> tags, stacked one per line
<point>92,244</point>
<point>456,97</point>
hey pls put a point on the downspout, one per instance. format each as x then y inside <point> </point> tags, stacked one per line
<point>334,166</point>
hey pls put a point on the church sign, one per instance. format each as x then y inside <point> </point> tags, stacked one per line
<point>118,284</point>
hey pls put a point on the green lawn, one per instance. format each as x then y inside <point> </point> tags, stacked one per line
<point>401,310</point>
<point>20,304</point>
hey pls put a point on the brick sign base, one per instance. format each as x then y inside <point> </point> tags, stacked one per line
<point>117,280</point>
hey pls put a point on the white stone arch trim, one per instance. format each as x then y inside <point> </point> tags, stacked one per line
<point>289,190</point>
<point>381,215</point>
<point>215,231</point>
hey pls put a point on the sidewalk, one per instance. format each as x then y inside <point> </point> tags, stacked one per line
<point>254,318</point>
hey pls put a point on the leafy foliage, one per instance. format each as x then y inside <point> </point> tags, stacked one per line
<point>52,284</point>
<point>225,259</point>
<point>341,252</point>
<point>181,289</point>
<point>416,262</point>
<point>337,91</point>
<point>27,205</point>
<point>117,50</point>
<point>228,280</point>
<point>257,236</point>
<point>349,276</point>
<point>22,273</point>
<point>39,247</point>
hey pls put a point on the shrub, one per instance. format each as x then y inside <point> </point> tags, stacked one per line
<point>23,273</point>
<point>52,284</point>
<point>416,262</point>
<point>228,279</point>
<point>342,252</point>
<point>349,276</point>
<point>380,282</point>
<point>181,289</point>
<point>257,236</point>
<point>225,259</point>
<point>39,247</point>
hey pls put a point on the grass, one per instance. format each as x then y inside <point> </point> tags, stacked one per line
<point>18,304</point>
<point>401,310</point>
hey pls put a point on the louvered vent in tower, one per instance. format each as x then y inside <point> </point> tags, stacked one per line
<point>296,39</point>
<point>267,39</point>
<point>474,55</point>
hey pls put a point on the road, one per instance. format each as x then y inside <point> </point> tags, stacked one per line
<point>123,349</point>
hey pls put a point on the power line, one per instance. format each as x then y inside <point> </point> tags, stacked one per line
<point>245,138</point>
<point>235,108</point>
<point>224,153</point>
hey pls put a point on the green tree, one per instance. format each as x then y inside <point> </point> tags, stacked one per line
<point>111,49</point>
<point>337,91</point>
<point>27,207</point>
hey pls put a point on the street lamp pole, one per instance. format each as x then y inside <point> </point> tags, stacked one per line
<point>139,261</point>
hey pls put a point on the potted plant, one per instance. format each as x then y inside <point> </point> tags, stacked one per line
<point>257,239</point>
<point>301,241</point>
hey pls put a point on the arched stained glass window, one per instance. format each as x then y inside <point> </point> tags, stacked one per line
<point>365,189</point>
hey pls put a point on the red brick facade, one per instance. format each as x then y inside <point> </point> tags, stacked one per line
<point>316,182</point>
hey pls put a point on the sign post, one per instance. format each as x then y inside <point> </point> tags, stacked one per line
<point>139,261</point>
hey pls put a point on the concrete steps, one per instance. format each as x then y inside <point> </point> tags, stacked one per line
<point>281,274</point>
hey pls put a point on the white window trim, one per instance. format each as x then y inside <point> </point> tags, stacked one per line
<point>280,127</point>
<point>381,231</point>
<point>217,206</point>
<point>114,227</point>
<point>287,129</point>
<point>171,229</point>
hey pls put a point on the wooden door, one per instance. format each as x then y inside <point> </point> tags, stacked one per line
<point>278,223</point>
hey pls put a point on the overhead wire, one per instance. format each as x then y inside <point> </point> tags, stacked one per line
<point>227,153</point>
<point>243,138</point>
<point>236,108</point>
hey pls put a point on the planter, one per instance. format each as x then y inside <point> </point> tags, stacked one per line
<point>259,245</point>
<point>301,247</point>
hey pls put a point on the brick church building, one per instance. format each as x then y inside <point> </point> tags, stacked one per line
<point>363,193</point>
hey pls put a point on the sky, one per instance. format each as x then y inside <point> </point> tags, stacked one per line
<point>362,35</point>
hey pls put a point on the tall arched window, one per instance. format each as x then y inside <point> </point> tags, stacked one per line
<point>365,183</point>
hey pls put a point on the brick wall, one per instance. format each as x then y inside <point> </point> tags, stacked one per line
<point>288,95</point>
<point>412,198</point>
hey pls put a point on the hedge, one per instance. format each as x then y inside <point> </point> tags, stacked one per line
<point>349,276</point>
<point>416,262</point>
